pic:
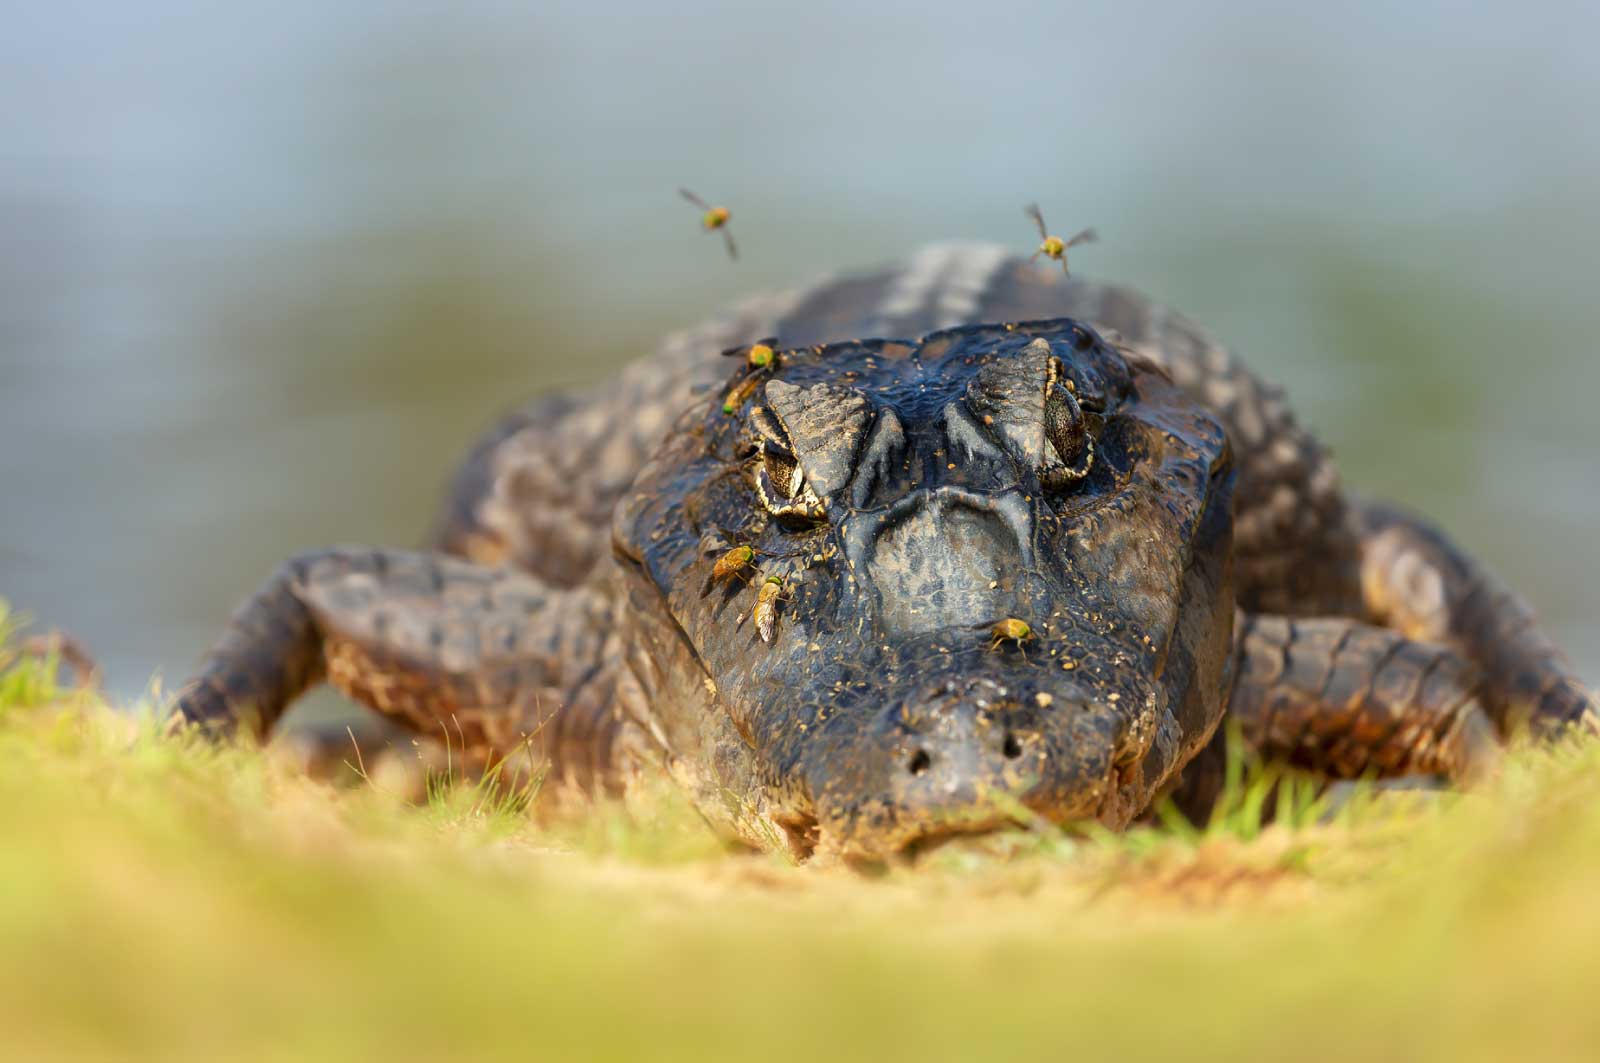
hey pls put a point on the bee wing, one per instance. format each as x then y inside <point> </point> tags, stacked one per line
<point>733,248</point>
<point>692,198</point>
<point>1032,211</point>
<point>1087,236</point>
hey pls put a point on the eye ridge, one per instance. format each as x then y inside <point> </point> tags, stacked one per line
<point>806,439</point>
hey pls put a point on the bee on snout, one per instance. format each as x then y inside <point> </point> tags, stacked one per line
<point>1053,246</point>
<point>712,219</point>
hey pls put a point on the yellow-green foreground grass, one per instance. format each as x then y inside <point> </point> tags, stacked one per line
<point>162,899</point>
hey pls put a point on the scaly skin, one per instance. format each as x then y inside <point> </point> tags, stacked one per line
<point>902,499</point>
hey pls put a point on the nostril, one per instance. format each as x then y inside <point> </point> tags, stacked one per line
<point>920,762</point>
<point>1011,747</point>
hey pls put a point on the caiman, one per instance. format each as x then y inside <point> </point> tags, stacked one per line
<point>969,542</point>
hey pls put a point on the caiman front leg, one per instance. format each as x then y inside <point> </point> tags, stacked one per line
<point>486,658</point>
<point>1347,700</point>
<point>1416,581</point>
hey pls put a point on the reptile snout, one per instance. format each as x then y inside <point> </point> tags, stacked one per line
<point>962,756</point>
<point>969,735</point>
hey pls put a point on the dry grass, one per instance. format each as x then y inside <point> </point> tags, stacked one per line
<point>161,899</point>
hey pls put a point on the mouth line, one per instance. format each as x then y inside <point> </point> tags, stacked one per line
<point>1010,813</point>
<point>1000,815</point>
<point>1003,824</point>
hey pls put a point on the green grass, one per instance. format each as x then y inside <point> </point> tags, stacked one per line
<point>160,899</point>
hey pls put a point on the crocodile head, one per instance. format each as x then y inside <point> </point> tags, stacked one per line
<point>989,579</point>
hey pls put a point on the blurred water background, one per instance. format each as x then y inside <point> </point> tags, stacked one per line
<point>266,268</point>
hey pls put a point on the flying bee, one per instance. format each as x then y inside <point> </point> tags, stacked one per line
<point>712,218</point>
<point>766,611</point>
<point>1010,630</point>
<point>759,357</point>
<point>1053,246</point>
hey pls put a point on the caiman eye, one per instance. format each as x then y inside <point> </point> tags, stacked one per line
<point>1039,412</point>
<point>1066,429</point>
<point>780,480</point>
<point>782,486</point>
<point>781,473</point>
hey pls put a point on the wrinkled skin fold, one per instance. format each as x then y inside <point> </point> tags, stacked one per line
<point>859,595</point>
